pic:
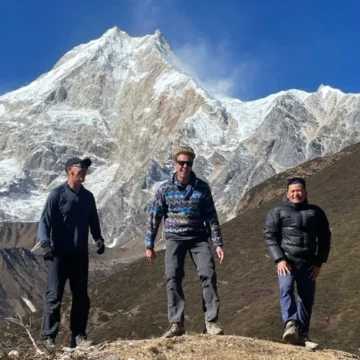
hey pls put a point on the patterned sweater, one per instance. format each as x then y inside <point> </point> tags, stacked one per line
<point>188,210</point>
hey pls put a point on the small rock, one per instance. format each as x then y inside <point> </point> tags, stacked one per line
<point>68,349</point>
<point>131,359</point>
<point>13,354</point>
<point>115,358</point>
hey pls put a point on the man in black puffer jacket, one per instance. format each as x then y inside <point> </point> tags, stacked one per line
<point>297,236</point>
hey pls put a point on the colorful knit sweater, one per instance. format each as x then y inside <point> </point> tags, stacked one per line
<point>188,210</point>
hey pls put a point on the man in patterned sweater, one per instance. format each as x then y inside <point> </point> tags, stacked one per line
<point>187,206</point>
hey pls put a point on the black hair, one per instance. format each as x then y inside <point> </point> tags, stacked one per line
<point>296,180</point>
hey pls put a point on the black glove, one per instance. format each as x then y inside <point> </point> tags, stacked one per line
<point>100,245</point>
<point>48,253</point>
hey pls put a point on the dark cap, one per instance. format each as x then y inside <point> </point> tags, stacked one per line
<point>296,180</point>
<point>84,163</point>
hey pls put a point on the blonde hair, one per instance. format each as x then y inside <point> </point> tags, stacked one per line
<point>185,150</point>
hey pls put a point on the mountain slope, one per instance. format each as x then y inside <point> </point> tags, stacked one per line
<point>18,235</point>
<point>23,277</point>
<point>132,303</point>
<point>126,102</point>
<point>22,280</point>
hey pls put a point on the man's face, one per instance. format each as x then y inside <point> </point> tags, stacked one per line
<point>183,166</point>
<point>296,193</point>
<point>77,173</point>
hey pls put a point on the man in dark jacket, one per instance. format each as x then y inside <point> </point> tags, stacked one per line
<point>69,212</point>
<point>186,203</point>
<point>297,236</point>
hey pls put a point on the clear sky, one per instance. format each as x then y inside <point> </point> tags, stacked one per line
<point>246,49</point>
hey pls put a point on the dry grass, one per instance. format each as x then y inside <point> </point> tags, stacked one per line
<point>199,347</point>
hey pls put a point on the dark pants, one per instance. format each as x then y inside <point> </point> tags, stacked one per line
<point>299,311</point>
<point>75,267</point>
<point>202,257</point>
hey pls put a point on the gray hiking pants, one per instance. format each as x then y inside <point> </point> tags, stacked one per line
<point>202,257</point>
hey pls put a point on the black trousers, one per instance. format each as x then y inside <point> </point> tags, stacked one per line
<point>75,267</point>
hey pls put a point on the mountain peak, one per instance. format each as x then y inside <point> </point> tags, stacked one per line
<point>323,87</point>
<point>161,42</point>
<point>324,90</point>
<point>114,32</point>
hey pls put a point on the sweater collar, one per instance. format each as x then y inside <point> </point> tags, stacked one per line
<point>188,187</point>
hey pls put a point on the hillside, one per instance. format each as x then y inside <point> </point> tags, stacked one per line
<point>23,272</point>
<point>17,234</point>
<point>23,278</point>
<point>132,303</point>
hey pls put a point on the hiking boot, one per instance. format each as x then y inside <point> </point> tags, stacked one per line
<point>213,328</point>
<point>48,342</point>
<point>291,333</point>
<point>175,329</point>
<point>304,340</point>
<point>82,341</point>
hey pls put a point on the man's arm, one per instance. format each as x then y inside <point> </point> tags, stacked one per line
<point>47,220</point>
<point>94,222</point>
<point>323,238</point>
<point>157,212</point>
<point>94,225</point>
<point>272,236</point>
<point>211,219</point>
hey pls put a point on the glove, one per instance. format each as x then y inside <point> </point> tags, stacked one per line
<point>48,253</point>
<point>100,245</point>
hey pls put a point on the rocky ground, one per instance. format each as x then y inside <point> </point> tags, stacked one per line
<point>189,347</point>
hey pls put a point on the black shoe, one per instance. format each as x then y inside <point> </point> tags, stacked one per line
<point>304,340</point>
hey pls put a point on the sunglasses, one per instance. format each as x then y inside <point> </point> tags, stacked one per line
<point>182,163</point>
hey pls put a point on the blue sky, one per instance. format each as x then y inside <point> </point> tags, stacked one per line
<point>246,49</point>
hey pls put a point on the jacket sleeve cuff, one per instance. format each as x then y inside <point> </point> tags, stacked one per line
<point>149,243</point>
<point>46,243</point>
<point>218,244</point>
<point>317,262</point>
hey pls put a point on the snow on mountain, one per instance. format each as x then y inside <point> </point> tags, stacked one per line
<point>126,102</point>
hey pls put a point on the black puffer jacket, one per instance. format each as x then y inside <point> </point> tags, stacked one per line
<point>298,233</point>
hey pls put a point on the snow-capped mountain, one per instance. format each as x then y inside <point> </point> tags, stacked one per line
<point>126,102</point>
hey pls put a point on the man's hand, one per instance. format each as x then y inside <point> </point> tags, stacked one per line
<point>283,268</point>
<point>315,271</point>
<point>48,253</point>
<point>150,255</point>
<point>100,244</point>
<point>220,253</point>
